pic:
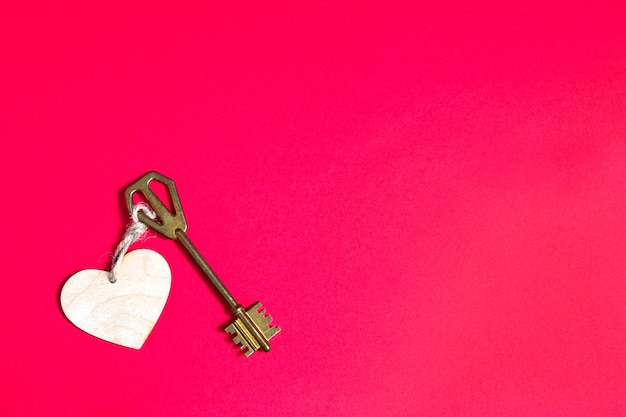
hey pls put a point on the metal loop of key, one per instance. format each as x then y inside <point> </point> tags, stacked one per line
<point>251,327</point>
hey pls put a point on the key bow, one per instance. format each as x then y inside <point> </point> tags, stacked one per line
<point>167,222</point>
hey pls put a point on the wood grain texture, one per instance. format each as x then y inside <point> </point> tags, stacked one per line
<point>125,312</point>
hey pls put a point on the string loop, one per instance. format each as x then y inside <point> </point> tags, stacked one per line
<point>134,232</point>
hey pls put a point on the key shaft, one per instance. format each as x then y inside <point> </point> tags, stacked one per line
<point>181,236</point>
<point>236,308</point>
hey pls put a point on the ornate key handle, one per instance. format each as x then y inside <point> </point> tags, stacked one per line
<point>167,223</point>
<point>251,327</point>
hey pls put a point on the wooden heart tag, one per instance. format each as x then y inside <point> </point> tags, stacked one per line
<point>123,312</point>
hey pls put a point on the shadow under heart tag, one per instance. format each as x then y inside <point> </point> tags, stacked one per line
<point>123,312</point>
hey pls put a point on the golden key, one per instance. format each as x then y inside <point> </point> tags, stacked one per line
<point>251,327</point>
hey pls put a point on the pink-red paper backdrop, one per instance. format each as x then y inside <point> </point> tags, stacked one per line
<point>429,198</point>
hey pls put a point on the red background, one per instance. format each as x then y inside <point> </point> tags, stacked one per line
<point>430,199</point>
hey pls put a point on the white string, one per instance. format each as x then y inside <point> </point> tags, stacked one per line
<point>134,232</point>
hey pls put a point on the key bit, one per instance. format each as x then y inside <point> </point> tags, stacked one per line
<point>243,337</point>
<point>251,328</point>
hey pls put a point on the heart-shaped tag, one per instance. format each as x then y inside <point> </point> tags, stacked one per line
<point>124,312</point>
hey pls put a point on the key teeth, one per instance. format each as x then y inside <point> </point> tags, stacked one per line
<point>242,336</point>
<point>243,346</point>
<point>262,321</point>
<point>239,339</point>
